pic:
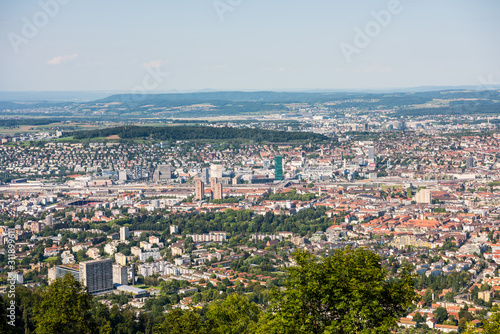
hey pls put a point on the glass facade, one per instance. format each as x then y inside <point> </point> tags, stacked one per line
<point>278,167</point>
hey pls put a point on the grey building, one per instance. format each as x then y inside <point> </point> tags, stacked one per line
<point>470,162</point>
<point>162,173</point>
<point>122,175</point>
<point>205,175</point>
<point>64,269</point>
<point>371,153</point>
<point>137,172</point>
<point>124,233</point>
<point>97,275</point>
<point>120,275</point>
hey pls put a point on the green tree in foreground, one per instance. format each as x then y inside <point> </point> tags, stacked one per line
<point>490,326</point>
<point>234,315</point>
<point>180,322</point>
<point>347,292</point>
<point>440,314</point>
<point>64,307</point>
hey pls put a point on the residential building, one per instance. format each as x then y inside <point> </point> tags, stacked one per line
<point>120,274</point>
<point>124,233</point>
<point>217,191</point>
<point>200,190</point>
<point>97,275</point>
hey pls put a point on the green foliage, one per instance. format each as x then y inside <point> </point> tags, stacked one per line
<point>64,307</point>
<point>345,293</point>
<point>180,322</point>
<point>290,196</point>
<point>440,314</point>
<point>170,133</point>
<point>235,315</point>
<point>418,318</point>
<point>439,210</point>
<point>233,222</point>
<point>26,121</point>
<point>490,326</point>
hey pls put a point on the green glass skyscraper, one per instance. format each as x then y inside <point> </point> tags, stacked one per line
<point>278,167</point>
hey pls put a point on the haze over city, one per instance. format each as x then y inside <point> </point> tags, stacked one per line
<point>247,45</point>
<point>249,167</point>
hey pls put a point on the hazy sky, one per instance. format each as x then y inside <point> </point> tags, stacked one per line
<point>246,44</point>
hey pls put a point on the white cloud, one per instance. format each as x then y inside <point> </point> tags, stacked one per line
<point>154,63</point>
<point>282,69</point>
<point>62,59</point>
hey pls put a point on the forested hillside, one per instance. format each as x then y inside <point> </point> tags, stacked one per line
<point>197,132</point>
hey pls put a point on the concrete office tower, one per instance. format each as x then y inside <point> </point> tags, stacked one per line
<point>217,191</point>
<point>205,175</point>
<point>213,181</point>
<point>49,220</point>
<point>137,172</point>
<point>132,268</point>
<point>97,275</point>
<point>371,154</point>
<point>120,275</point>
<point>124,233</point>
<point>423,196</point>
<point>162,173</point>
<point>278,167</point>
<point>469,162</point>
<point>200,190</point>
<point>216,171</point>
<point>174,229</point>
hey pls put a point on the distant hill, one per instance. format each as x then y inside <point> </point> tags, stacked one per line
<point>214,104</point>
<point>168,133</point>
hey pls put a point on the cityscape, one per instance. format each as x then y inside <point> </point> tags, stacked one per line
<point>249,188</point>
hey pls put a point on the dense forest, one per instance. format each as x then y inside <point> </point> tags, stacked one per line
<point>25,121</point>
<point>168,133</point>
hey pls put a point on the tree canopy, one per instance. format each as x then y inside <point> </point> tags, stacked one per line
<point>64,307</point>
<point>347,292</point>
<point>168,133</point>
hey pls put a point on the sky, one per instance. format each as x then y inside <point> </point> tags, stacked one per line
<point>183,45</point>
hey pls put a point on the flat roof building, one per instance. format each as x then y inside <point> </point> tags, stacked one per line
<point>136,292</point>
<point>97,275</point>
<point>60,270</point>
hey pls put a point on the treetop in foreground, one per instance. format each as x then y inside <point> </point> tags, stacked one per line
<point>347,292</point>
